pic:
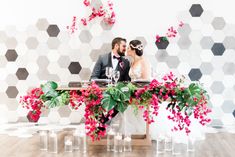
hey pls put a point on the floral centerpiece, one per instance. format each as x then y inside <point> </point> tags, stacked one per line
<point>102,106</point>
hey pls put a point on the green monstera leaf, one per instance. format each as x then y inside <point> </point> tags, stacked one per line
<point>117,97</point>
<point>53,98</point>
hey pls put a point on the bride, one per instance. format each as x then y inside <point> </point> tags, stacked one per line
<point>140,67</point>
<point>139,70</point>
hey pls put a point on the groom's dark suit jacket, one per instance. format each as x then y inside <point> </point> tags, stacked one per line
<point>106,61</point>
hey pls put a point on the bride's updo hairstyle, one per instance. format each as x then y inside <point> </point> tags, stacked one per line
<point>137,46</point>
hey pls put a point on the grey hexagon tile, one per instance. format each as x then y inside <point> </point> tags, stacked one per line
<point>229,68</point>
<point>162,44</point>
<point>206,68</point>
<point>228,94</point>
<point>85,74</point>
<point>12,92</point>
<point>22,74</point>
<point>106,48</point>
<point>218,75</point>
<point>64,37</point>
<point>85,36</point>
<point>196,10</point>
<point>95,54</point>
<point>228,81</point>
<point>234,113</point>
<point>194,60</point>
<point>173,49</point>
<point>107,36</point>
<point>195,74</point>
<point>228,106</point>
<point>3,61</point>
<point>11,80</point>
<point>216,62</point>
<point>11,55</point>
<point>42,36</point>
<point>195,36</point>
<point>184,16</point>
<point>32,43</point>
<point>12,104</point>
<point>229,42</point>
<point>85,49</point>
<point>218,36</point>
<point>218,23</point>
<point>53,68</point>
<point>183,68</point>
<point>53,30</point>
<point>161,55</point>
<point>172,62</point>
<point>206,42</point>
<point>64,111</point>
<point>217,87</point>
<point>74,42</point>
<point>185,30</point>
<point>53,43</point>
<point>42,61</point>
<point>207,17</point>
<point>42,24</point>
<point>11,43</point>
<point>229,29</point>
<point>184,55</point>
<point>218,49</point>
<point>32,30</point>
<point>64,61</point>
<point>96,43</point>
<point>3,36</point>
<point>11,30</point>
<point>74,67</point>
<point>184,42</point>
<point>207,30</point>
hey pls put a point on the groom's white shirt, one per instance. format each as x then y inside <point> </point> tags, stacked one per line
<point>114,61</point>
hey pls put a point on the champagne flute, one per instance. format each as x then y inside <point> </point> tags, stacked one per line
<point>108,72</point>
<point>116,75</point>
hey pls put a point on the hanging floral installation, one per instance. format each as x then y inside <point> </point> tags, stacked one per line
<point>171,33</point>
<point>101,105</point>
<point>73,26</point>
<point>105,11</point>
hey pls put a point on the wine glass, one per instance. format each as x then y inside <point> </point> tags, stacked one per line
<point>108,72</point>
<point>116,75</point>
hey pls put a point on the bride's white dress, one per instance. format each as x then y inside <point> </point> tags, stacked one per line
<point>135,124</point>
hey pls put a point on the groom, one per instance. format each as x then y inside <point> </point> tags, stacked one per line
<point>113,59</point>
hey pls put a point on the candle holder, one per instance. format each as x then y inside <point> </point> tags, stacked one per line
<point>191,144</point>
<point>118,145</point>
<point>160,145</point>
<point>43,139</point>
<point>77,140</point>
<point>110,140</point>
<point>68,143</point>
<point>168,144</point>
<point>53,142</point>
<point>127,143</point>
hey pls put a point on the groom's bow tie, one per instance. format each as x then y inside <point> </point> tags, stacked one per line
<point>115,57</point>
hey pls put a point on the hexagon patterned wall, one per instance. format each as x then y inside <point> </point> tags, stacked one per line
<point>203,50</point>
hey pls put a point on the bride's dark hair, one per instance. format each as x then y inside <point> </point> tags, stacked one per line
<point>137,46</point>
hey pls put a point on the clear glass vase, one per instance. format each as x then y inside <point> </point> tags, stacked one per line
<point>110,139</point>
<point>118,143</point>
<point>53,142</point>
<point>127,143</point>
<point>43,139</point>
<point>68,143</point>
<point>160,144</point>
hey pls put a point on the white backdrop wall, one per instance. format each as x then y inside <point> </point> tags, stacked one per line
<point>48,57</point>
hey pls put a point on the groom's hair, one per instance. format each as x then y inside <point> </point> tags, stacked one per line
<point>117,40</point>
